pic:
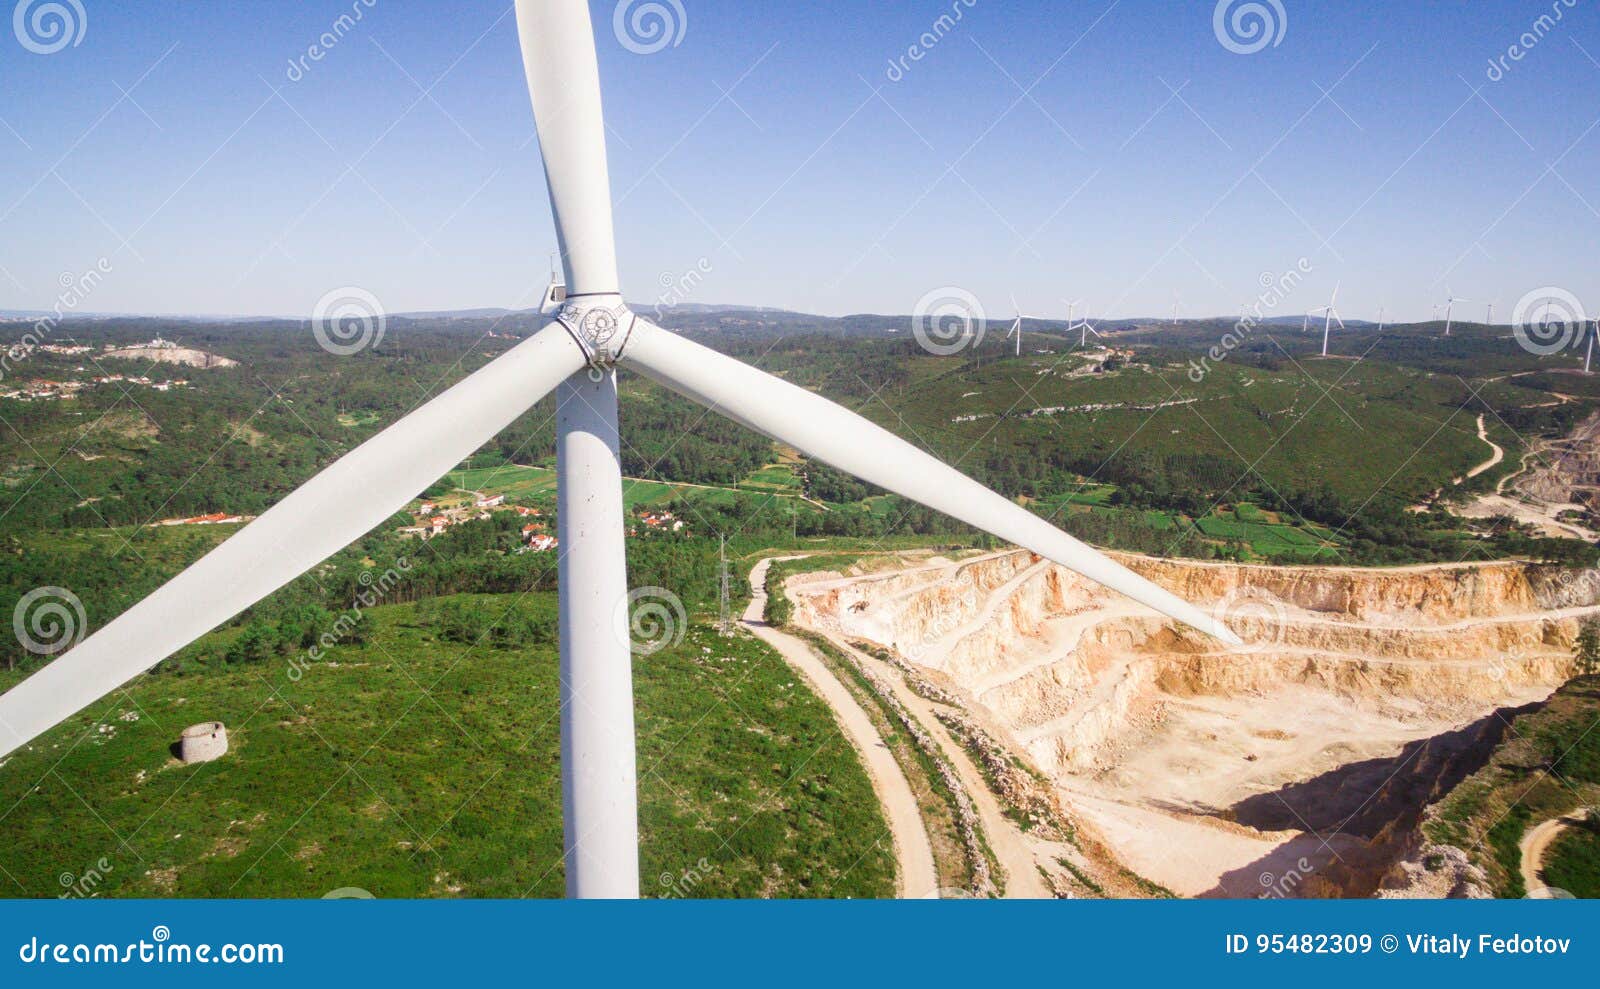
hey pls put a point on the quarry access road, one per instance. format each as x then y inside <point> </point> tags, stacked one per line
<point>1499,451</point>
<point>918,879</point>
<point>1538,840</point>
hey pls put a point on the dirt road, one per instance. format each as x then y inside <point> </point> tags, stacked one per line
<point>1536,842</point>
<point>1499,452</point>
<point>913,852</point>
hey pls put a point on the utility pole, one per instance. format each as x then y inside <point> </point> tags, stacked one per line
<point>722,573</point>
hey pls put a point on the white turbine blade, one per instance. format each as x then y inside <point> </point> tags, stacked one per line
<point>1337,319</point>
<point>327,513</point>
<point>558,55</point>
<point>819,428</point>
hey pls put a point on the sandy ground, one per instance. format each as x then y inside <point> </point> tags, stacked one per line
<point>913,852</point>
<point>1535,843</point>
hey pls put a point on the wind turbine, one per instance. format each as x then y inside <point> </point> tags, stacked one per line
<point>1380,319</point>
<point>1489,319</point>
<point>1329,315</point>
<point>1588,355</point>
<point>1176,301</point>
<point>577,356</point>
<point>1449,310</point>
<point>1083,325</point>
<point>556,294</point>
<point>1016,327</point>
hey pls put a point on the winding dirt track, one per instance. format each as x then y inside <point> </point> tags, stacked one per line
<point>1537,841</point>
<point>1499,451</point>
<point>918,878</point>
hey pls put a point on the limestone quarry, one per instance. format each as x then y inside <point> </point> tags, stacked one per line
<point>1297,765</point>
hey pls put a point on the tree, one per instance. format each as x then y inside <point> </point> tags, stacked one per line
<point>1586,651</point>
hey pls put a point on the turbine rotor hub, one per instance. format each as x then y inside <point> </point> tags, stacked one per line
<point>599,324</point>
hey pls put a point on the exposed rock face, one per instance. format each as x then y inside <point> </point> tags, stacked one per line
<point>1342,667</point>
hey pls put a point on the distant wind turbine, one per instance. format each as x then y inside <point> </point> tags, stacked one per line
<point>1449,310</point>
<point>1329,314</point>
<point>1016,327</point>
<point>1176,302</point>
<point>1588,355</point>
<point>1380,319</point>
<point>556,294</point>
<point>577,356</point>
<point>1083,326</point>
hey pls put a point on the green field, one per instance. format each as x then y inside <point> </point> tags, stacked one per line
<point>413,766</point>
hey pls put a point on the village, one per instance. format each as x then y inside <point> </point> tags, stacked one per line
<point>431,519</point>
<point>47,390</point>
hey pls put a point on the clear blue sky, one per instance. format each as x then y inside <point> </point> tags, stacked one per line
<point>208,193</point>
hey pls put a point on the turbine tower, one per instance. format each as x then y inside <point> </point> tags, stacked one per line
<point>1329,314</point>
<point>1016,327</point>
<point>1449,310</point>
<point>1380,319</point>
<point>576,356</point>
<point>1083,325</point>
